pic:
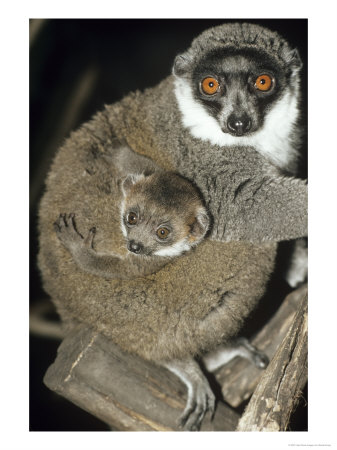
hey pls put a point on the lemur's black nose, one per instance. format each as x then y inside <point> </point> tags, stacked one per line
<point>238,124</point>
<point>135,247</point>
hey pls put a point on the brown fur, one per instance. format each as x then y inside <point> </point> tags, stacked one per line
<point>191,305</point>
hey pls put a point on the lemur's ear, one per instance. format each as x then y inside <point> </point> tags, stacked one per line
<point>293,59</point>
<point>129,181</point>
<point>110,150</point>
<point>181,65</point>
<point>200,226</point>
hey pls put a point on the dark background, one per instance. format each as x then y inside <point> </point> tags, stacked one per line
<point>77,66</point>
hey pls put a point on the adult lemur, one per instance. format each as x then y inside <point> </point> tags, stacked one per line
<point>225,119</point>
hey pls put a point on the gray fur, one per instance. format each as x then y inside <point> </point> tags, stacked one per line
<point>274,129</point>
<point>201,299</point>
<point>236,54</point>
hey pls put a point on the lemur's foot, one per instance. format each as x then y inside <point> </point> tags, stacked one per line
<point>200,397</point>
<point>66,231</point>
<point>250,352</point>
<point>89,239</point>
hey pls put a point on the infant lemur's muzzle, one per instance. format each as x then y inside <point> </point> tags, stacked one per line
<point>135,247</point>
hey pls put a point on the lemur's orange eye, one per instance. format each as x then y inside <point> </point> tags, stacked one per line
<point>209,85</point>
<point>162,232</point>
<point>132,218</point>
<point>264,82</point>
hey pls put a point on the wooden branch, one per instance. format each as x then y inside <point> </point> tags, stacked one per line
<point>129,393</point>
<point>35,27</point>
<point>281,384</point>
<point>40,324</point>
<point>239,378</point>
<point>124,391</point>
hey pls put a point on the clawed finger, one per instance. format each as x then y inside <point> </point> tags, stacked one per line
<point>191,420</point>
<point>59,222</point>
<point>63,220</point>
<point>88,241</point>
<point>195,411</point>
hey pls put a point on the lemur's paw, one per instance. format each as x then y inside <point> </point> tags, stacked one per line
<point>250,352</point>
<point>200,400</point>
<point>66,231</point>
<point>260,360</point>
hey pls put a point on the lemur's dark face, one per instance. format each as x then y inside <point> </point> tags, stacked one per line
<point>238,96</point>
<point>238,88</point>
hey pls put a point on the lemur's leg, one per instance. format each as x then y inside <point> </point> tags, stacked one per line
<point>297,272</point>
<point>239,347</point>
<point>200,397</point>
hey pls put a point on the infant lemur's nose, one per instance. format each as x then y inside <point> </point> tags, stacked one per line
<point>135,247</point>
<point>238,124</point>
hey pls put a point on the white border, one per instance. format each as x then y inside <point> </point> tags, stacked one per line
<point>14,182</point>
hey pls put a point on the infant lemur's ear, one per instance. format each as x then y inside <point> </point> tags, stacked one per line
<point>129,181</point>
<point>200,226</point>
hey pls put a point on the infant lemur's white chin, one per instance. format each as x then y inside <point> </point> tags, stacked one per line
<point>273,140</point>
<point>174,250</point>
<point>122,212</point>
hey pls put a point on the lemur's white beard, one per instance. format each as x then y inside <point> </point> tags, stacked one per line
<point>273,140</point>
<point>122,212</point>
<point>174,250</point>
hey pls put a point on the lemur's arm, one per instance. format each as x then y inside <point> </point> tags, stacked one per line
<point>103,265</point>
<point>245,202</point>
<point>258,209</point>
<point>248,207</point>
<point>248,198</point>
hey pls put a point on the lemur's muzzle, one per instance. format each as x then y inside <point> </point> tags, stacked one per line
<point>135,247</point>
<point>238,125</point>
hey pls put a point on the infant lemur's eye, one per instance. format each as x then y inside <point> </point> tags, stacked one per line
<point>162,232</point>
<point>264,82</point>
<point>209,85</point>
<point>132,218</point>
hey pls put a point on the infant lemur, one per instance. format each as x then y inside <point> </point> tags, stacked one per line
<point>162,216</point>
<point>226,119</point>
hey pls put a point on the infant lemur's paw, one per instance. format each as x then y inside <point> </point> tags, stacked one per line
<point>66,231</point>
<point>65,228</point>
